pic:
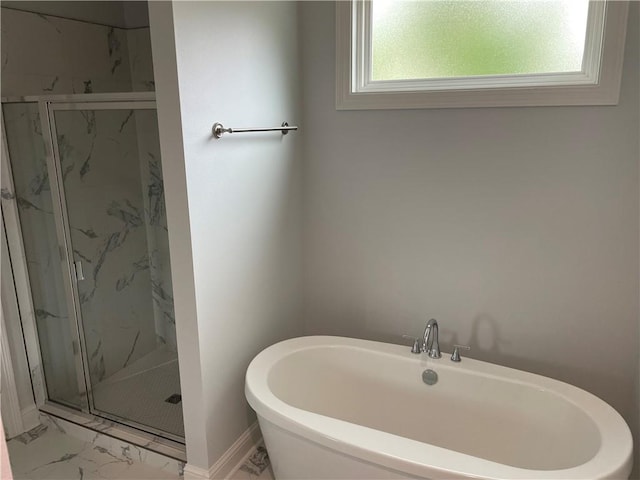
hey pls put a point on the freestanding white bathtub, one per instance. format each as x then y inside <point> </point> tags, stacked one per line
<point>333,407</point>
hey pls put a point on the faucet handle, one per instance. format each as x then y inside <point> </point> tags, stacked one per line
<point>417,347</point>
<point>455,356</point>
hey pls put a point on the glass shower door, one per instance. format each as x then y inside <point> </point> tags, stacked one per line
<point>32,191</point>
<point>107,158</point>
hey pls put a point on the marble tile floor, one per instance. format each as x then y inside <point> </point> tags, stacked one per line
<point>46,453</point>
<point>49,454</point>
<point>256,467</point>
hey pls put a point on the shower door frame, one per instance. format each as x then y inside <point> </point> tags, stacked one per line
<point>172,445</point>
<point>61,215</point>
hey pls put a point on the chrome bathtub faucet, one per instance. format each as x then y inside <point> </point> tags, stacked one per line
<point>430,339</point>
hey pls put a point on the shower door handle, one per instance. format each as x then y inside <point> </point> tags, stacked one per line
<point>79,271</point>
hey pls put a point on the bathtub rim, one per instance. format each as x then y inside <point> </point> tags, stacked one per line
<point>413,457</point>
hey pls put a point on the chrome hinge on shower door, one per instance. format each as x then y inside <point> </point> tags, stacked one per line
<point>79,271</point>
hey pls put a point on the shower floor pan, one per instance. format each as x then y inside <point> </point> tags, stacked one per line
<point>139,393</point>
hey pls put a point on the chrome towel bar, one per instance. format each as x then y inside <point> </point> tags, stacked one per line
<point>218,129</point>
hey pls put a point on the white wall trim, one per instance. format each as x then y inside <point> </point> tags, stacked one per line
<point>19,414</point>
<point>20,272</point>
<point>11,414</point>
<point>195,473</point>
<point>170,127</point>
<point>30,417</point>
<point>230,460</point>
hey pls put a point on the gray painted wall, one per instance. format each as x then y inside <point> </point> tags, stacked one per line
<point>516,228</point>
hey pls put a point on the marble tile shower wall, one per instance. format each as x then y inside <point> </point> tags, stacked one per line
<point>156,226</point>
<point>107,223</point>
<point>50,55</point>
<point>119,233</point>
<point>140,60</point>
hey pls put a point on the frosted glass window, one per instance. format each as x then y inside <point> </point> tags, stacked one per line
<point>440,39</point>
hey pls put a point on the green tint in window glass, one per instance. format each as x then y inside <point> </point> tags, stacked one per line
<point>438,39</point>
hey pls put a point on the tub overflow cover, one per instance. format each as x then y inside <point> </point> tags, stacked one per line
<point>429,377</point>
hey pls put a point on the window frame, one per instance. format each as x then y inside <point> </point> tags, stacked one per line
<point>597,84</point>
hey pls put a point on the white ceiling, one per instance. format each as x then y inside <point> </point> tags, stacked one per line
<point>122,14</point>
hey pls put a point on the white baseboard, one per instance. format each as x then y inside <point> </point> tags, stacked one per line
<point>195,473</point>
<point>30,417</point>
<point>231,460</point>
<point>254,440</point>
<point>11,413</point>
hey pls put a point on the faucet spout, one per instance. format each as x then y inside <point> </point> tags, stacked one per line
<point>430,342</point>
